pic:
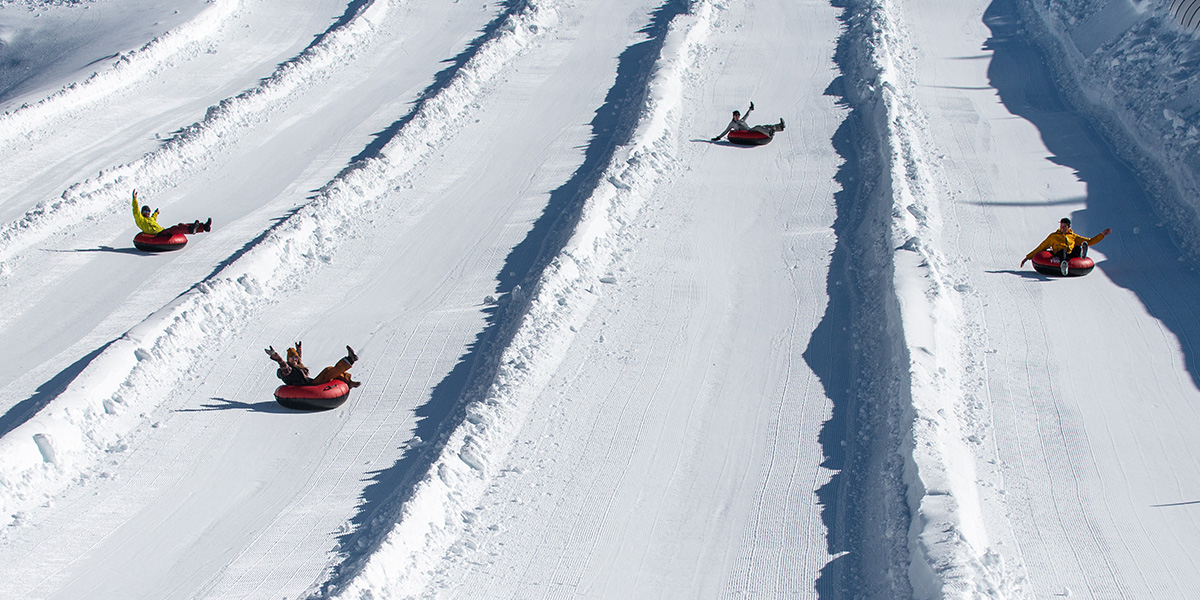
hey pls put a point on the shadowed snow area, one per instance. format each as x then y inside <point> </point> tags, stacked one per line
<point>601,354</point>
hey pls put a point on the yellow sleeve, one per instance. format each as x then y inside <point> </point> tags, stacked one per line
<point>1042,246</point>
<point>148,226</point>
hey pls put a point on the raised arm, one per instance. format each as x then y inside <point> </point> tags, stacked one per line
<point>1099,236</point>
<point>284,368</point>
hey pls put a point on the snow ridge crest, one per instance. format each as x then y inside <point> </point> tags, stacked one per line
<point>949,551</point>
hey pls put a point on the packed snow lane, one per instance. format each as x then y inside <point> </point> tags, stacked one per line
<point>1083,406</point>
<point>673,451</point>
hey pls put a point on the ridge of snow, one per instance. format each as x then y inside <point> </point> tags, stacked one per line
<point>186,40</point>
<point>949,552</point>
<point>189,150</point>
<point>432,518</point>
<point>113,395</point>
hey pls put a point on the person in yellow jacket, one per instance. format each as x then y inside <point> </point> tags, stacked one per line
<point>1066,244</point>
<point>148,222</point>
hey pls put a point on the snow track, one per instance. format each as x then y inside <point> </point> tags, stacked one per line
<point>543,325</point>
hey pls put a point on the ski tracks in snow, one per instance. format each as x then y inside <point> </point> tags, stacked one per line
<point>541,324</point>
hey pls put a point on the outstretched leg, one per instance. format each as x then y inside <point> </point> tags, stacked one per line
<point>341,370</point>
<point>335,372</point>
<point>180,228</point>
<point>768,129</point>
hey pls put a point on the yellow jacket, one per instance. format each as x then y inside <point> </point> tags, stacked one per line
<point>1059,241</point>
<point>148,225</point>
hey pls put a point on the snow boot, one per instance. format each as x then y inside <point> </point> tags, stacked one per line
<point>1064,267</point>
<point>208,225</point>
<point>1082,249</point>
<point>351,357</point>
<point>780,126</point>
<point>353,384</point>
<point>193,227</point>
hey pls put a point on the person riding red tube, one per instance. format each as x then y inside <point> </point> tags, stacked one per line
<point>1066,244</point>
<point>148,222</point>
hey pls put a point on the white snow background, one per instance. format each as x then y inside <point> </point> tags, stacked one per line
<point>601,355</point>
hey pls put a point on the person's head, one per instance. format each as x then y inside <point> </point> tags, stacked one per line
<point>293,357</point>
<point>737,115</point>
<point>146,211</point>
<point>1064,225</point>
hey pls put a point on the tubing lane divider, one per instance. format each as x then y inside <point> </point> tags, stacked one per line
<point>429,521</point>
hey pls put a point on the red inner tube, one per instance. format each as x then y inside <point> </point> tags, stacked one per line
<point>1047,264</point>
<point>748,138</point>
<point>160,242</point>
<point>322,396</point>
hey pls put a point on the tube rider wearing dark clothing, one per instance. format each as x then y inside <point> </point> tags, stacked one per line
<point>1066,244</point>
<point>738,123</point>
<point>293,372</point>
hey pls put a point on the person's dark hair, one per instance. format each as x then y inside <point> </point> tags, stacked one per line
<point>1065,220</point>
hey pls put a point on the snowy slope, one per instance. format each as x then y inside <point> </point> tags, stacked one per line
<point>602,356</point>
<point>1075,399</point>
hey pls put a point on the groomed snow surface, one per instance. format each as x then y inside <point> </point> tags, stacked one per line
<point>602,356</point>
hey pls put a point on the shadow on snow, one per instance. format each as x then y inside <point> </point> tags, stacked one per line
<point>27,408</point>
<point>857,351</point>
<point>227,404</point>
